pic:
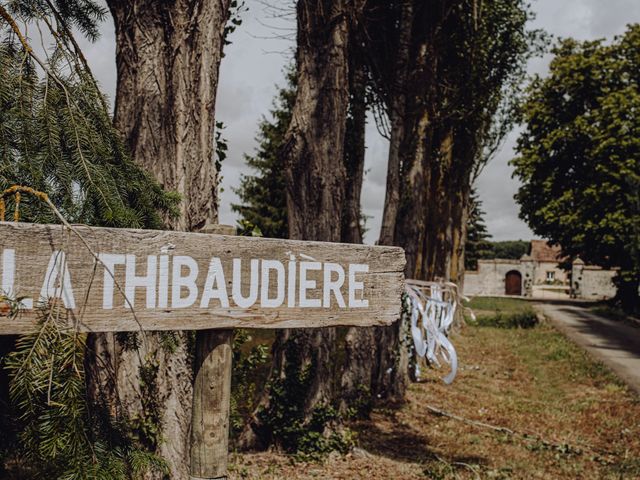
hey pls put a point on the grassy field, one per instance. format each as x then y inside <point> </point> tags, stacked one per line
<point>526,404</point>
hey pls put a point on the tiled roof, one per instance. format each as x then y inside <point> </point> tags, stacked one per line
<point>541,251</point>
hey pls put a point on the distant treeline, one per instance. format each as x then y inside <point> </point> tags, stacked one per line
<point>509,249</point>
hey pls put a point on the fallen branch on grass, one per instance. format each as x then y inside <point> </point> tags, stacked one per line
<point>599,455</point>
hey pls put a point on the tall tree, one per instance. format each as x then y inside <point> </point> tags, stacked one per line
<point>168,56</point>
<point>579,155</point>
<point>263,194</point>
<point>477,244</point>
<point>441,71</point>
<point>464,57</point>
<point>358,369</point>
<point>302,378</point>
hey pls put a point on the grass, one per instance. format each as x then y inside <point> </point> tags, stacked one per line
<point>572,416</point>
<point>492,305</point>
<point>501,312</point>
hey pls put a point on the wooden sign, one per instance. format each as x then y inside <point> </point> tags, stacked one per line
<point>126,280</point>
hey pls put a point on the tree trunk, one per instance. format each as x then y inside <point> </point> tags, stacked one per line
<point>357,374</point>
<point>315,177</point>
<point>447,206</point>
<point>627,282</point>
<point>397,112</point>
<point>168,56</point>
<point>354,153</point>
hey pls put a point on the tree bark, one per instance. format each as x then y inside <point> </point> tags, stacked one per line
<point>354,153</point>
<point>168,56</point>
<point>397,112</point>
<point>357,373</point>
<point>315,177</point>
<point>314,152</point>
<point>448,202</point>
<point>314,144</point>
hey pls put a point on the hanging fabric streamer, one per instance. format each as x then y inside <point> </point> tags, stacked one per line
<point>432,307</point>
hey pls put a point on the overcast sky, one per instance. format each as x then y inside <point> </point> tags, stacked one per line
<point>263,45</point>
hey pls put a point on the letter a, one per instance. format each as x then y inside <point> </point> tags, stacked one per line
<point>215,277</point>
<point>57,281</point>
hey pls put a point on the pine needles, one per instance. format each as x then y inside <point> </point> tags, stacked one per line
<point>56,133</point>
<point>57,137</point>
<point>61,434</point>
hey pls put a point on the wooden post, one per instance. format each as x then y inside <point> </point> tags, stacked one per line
<point>211,396</point>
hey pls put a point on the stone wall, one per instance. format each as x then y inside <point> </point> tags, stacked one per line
<point>541,269</point>
<point>589,282</point>
<point>592,283</point>
<point>489,278</point>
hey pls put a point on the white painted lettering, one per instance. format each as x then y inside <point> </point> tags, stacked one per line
<point>8,279</point>
<point>163,282</point>
<point>291,283</point>
<point>355,286</point>
<point>215,285</point>
<point>332,285</point>
<point>148,281</point>
<point>245,302</point>
<point>178,282</point>
<point>57,281</point>
<point>307,284</point>
<point>267,266</point>
<point>109,260</point>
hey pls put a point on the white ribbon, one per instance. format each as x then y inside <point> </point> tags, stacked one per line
<point>431,319</point>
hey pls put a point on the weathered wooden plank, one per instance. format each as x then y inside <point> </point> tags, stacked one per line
<point>175,280</point>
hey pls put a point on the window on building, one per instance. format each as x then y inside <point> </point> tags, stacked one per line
<point>551,276</point>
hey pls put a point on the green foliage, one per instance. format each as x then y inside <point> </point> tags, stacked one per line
<point>236,9</point>
<point>263,195</point>
<point>56,134</point>
<point>360,405</point>
<point>579,155</point>
<point>247,229</point>
<point>485,70</point>
<point>477,245</point>
<point>285,419</point>
<point>243,379</point>
<point>61,435</point>
<point>502,313</point>
<point>81,15</point>
<point>222,146</point>
<point>498,304</point>
<point>510,320</point>
<point>508,249</point>
<point>476,63</point>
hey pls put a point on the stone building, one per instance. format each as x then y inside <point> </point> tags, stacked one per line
<point>537,274</point>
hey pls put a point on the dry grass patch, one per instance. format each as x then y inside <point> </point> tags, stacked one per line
<point>572,418</point>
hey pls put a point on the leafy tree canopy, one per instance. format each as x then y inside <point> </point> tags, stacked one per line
<point>509,249</point>
<point>579,154</point>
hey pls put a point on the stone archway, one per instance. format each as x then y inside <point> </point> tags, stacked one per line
<point>513,283</point>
